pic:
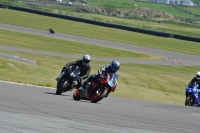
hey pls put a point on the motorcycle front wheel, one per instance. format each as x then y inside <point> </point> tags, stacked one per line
<point>62,86</point>
<point>96,97</point>
<point>189,101</point>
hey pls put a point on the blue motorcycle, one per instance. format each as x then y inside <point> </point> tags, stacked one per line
<point>192,95</point>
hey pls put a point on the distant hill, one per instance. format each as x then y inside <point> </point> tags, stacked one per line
<point>184,12</point>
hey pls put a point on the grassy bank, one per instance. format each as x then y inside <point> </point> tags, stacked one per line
<point>128,4</point>
<point>82,29</point>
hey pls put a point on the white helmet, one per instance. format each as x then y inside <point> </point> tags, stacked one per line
<point>198,75</point>
<point>86,59</point>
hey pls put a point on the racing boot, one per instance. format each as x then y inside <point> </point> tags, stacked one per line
<point>85,83</point>
<point>88,92</point>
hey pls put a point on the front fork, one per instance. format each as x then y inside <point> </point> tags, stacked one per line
<point>195,98</point>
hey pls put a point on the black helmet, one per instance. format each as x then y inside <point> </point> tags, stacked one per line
<point>115,65</point>
<point>86,59</point>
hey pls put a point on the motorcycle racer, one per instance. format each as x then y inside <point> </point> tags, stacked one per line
<point>112,68</point>
<point>195,79</point>
<point>194,98</point>
<point>83,65</point>
<point>51,31</point>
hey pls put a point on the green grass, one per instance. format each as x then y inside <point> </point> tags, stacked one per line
<point>48,44</point>
<point>82,29</point>
<point>145,82</point>
<point>195,0</point>
<point>193,10</point>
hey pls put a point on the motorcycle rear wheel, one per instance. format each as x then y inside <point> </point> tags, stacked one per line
<point>76,95</point>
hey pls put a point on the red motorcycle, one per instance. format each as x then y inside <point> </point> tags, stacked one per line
<point>98,89</point>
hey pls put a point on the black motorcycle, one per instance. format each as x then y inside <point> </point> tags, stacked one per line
<point>68,80</point>
<point>51,31</point>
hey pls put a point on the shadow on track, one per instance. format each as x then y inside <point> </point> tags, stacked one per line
<point>55,94</point>
<point>84,101</point>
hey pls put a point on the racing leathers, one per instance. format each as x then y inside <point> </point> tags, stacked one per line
<point>195,80</point>
<point>101,72</point>
<point>84,70</point>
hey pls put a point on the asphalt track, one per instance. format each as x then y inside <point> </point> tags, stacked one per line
<point>31,109</point>
<point>188,60</point>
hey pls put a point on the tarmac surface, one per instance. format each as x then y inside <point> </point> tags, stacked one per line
<point>32,109</point>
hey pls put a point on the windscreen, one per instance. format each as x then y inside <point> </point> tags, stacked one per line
<point>113,80</point>
<point>73,71</point>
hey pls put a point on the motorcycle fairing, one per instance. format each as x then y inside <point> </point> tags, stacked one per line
<point>193,90</point>
<point>109,82</point>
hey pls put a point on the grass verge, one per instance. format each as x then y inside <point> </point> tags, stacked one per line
<point>82,29</point>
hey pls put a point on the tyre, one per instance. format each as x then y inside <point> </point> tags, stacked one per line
<point>61,86</point>
<point>76,95</point>
<point>59,89</point>
<point>65,86</point>
<point>189,100</point>
<point>96,97</point>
